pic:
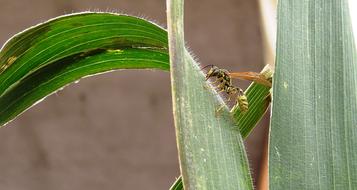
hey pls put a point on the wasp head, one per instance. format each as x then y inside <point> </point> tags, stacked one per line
<point>213,71</point>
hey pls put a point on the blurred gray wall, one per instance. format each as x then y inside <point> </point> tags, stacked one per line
<point>104,132</point>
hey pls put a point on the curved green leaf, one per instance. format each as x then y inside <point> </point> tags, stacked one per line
<point>44,58</point>
<point>314,123</point>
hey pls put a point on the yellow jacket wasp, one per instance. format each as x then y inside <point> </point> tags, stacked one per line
<point>224,80</point>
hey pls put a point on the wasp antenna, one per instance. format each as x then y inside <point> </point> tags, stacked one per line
<point>206,66</point>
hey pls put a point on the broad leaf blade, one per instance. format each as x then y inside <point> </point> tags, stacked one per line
<point>314,124</point>
<point>41,60</point>
<point>211,150</point>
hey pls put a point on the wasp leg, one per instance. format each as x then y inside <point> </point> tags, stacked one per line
<point>218,80</point>
<point>219,110</point>
<point>222,88</point>
<point>241,102</point>
<point>213,88</point>
<point>229,97</point>
<point>268,97</point>
<point>217,88</point>
<point>209,87</point>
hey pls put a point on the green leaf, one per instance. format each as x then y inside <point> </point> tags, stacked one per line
<point>211,150</point>
<point>44,58</point>
<point>178,185</point>
<point>314,123</point>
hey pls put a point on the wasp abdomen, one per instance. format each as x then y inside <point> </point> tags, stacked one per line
<point>242,102</point>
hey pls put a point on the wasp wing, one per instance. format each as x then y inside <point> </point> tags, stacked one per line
<point>251,76</point>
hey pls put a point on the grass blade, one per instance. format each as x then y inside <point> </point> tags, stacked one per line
<point>211,151</point>
<point>44,58</point>
<point>314,125</point>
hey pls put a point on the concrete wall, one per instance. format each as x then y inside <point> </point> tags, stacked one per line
<point>104,132</point>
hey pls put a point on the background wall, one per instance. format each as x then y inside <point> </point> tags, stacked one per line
<point>108,133</point>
